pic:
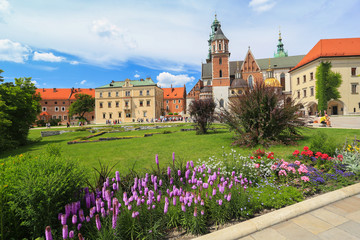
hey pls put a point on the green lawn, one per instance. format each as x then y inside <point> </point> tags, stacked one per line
<point>140,152</point>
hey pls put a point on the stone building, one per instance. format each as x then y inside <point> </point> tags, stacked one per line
<point>175,100</point>
<point>344,55</point>
<point>128,101</point>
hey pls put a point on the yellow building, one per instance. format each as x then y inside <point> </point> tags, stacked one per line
<point>344,55</point>
<point>128,101</point>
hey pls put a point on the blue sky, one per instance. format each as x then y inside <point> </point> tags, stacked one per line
<point>88,43</point>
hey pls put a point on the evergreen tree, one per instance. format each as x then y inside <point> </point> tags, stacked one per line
<point>84,103</point>
<point>327,83</point>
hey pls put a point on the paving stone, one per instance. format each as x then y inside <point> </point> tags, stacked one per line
<point>358,195</point>
<point>336,234</point>
<point>329,217</point>
<point>336,210</point>
<point>355,216</point>
<point>346,205</point>
<point>293,231</point>
<point>312,224</point>
<point>351,227</point>
<point>247,238</point>
<point>268,234</point>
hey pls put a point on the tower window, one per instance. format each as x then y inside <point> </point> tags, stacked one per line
<point>225,47</point>
<point>220,73</point>
<point>353,71</point>
<point>213,48</point>
<point>219,46</point>
<point>250,82</point>
<point>221,103</point>
<point>220,60</point>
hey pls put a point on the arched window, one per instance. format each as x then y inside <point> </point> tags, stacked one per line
<point>220,60</point>
<point>282,80</point>
<point>220,73</point>
<point>221,103</point>
<point>225,47</point>
<point>239,92</point>
<point>219,46</point>
<point>250,82</point>
<point>213,48</point>
<point>208,82</point>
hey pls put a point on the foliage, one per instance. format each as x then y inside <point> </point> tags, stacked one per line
<point>260,116</point>
<point>350,156</point>
<point>203,112</point>
<point>170,113</point>
<point>40,123</point>
<point>322,142</point>
<point>19,107</point>
<point>176,113</point>
<point>38,188</point>
<point>84,103</point>
<point>327,83</point>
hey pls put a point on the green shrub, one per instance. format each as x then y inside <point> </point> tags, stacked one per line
<point>170,113</point>
<point>321,142</point>
<point>176,113</point>
<point>38,189</point>
<point>40,123</point>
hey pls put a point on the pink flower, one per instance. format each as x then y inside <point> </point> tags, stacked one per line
<point>297,163</point>
<point>282,172</point>
<point>273,167</point>
<point>305,178</point>
<point>257,165</point>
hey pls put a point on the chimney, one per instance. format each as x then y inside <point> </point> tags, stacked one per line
<point>78,89</point>
<point>90,89</point>
<point>54,89</point>
<point>43,89</point>
<point>141,79</point>
<point>172,88</point>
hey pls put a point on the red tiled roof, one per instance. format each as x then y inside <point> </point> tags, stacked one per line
<point>88,91</point>
<point>44,114</point>
<point>63,93</point>
<point>332,48</point>
<point>174,93</point>
<point>54,93</point>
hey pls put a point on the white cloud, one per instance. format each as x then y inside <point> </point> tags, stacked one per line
<point>165,79</point>
<point>136,76</point>
<point>47,57</point>
<point>4,6</point>
<point>262,5</point>
<point>83,82</point>
<point>35,82</point>
<point>13,51</point>
<point>74,62</point>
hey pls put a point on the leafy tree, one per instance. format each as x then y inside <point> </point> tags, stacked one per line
<point>327,83</point>
<point>261,116</point>
<point>84,103</point>
<point>203,112</point>
<point>19,107</point>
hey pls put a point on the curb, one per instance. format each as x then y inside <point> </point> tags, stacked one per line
<point>259,223</point>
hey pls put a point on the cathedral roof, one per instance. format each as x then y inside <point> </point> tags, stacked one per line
<point>283,62</point>
<point>272,82</point>
<point>206,89</point>
<point>238,83</point>
<point>332,48</point>
<point>219,35</point>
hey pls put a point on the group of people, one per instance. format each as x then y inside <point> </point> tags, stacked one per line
<point>325,120</point>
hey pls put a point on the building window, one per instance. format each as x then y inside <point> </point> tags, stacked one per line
<point>250,82</point>
<point>141,103</point>
<point>126,103</point>
<point>311,91</point>
<point>119,115</point>
<point>213,48</point>
<point>63,109</point>
<point>220,61</point>
<point>117,104</point>
<point>174,101</point>
<point>104,115</point>
<point>239,92</point>
<point>177,106</point>
<point>167,108</point>
<point>167,101</point>
<point>60,117</point>
<point>140,93</point>
<point>55,102</point>
<point>179,101</point>
<point>145,114</point>
<point>304,78</point>
<point>148,92</point>
<point>353,71</point>
<point>311,76</point>
<point>354,88</point>
<point>54,117</point>
<point>45,102</point>
<point>208,82</point>
<point>109,94</point>
<point>298,94</point>
<point>359,104</point>
<point>101,94</point>
<point>232,92</point>
<point>65,117</point>
<point>282,80</point>
<point>220,73</point>
<point>63,102</point>
<point>298,81</point>
<point>109,104</point>
<point>219,46</point>
<point>101,105</point>
<point>116,94</point>
<point>225,47</point>
<point>221,103</point>
<point>44,109</point>
<point>128,115</point>
<point>148,103</point>
<point>304,92</point>
<point>56,109</point>
<point>127,93</point>
<point>110,115</point>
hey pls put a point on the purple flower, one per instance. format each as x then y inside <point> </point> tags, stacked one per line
<point>65,232</point>
<point>220,202</point>
<point>157,159</point>
<point>117,174</point>
<point>183,208</point>
<point>98,223</point>
<point>202,212</point>
<point>192,164</point>
<point>214,192</point>
<point>173,157</point>
<point>48,235</point>
<point>71,234</point>
<point>63,219</point>
<point>174,201</point>
<point>87,218</point>
<point>74,219</point>
<point>195,212</point>
<point>168,171</point>
<point>166,207</point>
<point>79,226</point>
<point>179,172</point>
<point>205,185</point>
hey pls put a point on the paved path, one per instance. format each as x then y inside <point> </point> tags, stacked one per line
<point>338,221</point>
<point>341,122</point>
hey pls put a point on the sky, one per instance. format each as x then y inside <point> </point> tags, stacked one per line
<point>89,43</point>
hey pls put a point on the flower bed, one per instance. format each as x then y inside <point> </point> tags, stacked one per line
<point>197,195</point>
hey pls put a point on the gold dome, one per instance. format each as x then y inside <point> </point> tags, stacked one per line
<point>272,82</point>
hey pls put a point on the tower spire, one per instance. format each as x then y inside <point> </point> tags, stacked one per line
<point>280,48</point>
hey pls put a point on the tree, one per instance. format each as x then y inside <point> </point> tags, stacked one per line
<point>19,107</point>
<point>203,112</point>
<point>260,116</point>
<point>327,83</point>
<point>84,103</point>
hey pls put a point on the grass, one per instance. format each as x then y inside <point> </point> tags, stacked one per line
<point>139,153</point>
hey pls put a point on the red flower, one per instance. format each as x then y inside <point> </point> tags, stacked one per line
<point>259,157</point>
<point>318,154</point>
<point>306,148</point>
<point>324,156</point>
<point>309,153</point>
<point>251,157</point>
<point>296,152</point>
<point>340,157</point>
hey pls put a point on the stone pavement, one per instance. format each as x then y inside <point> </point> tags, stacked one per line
<point>338,221</point>
<point>340,121</point>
